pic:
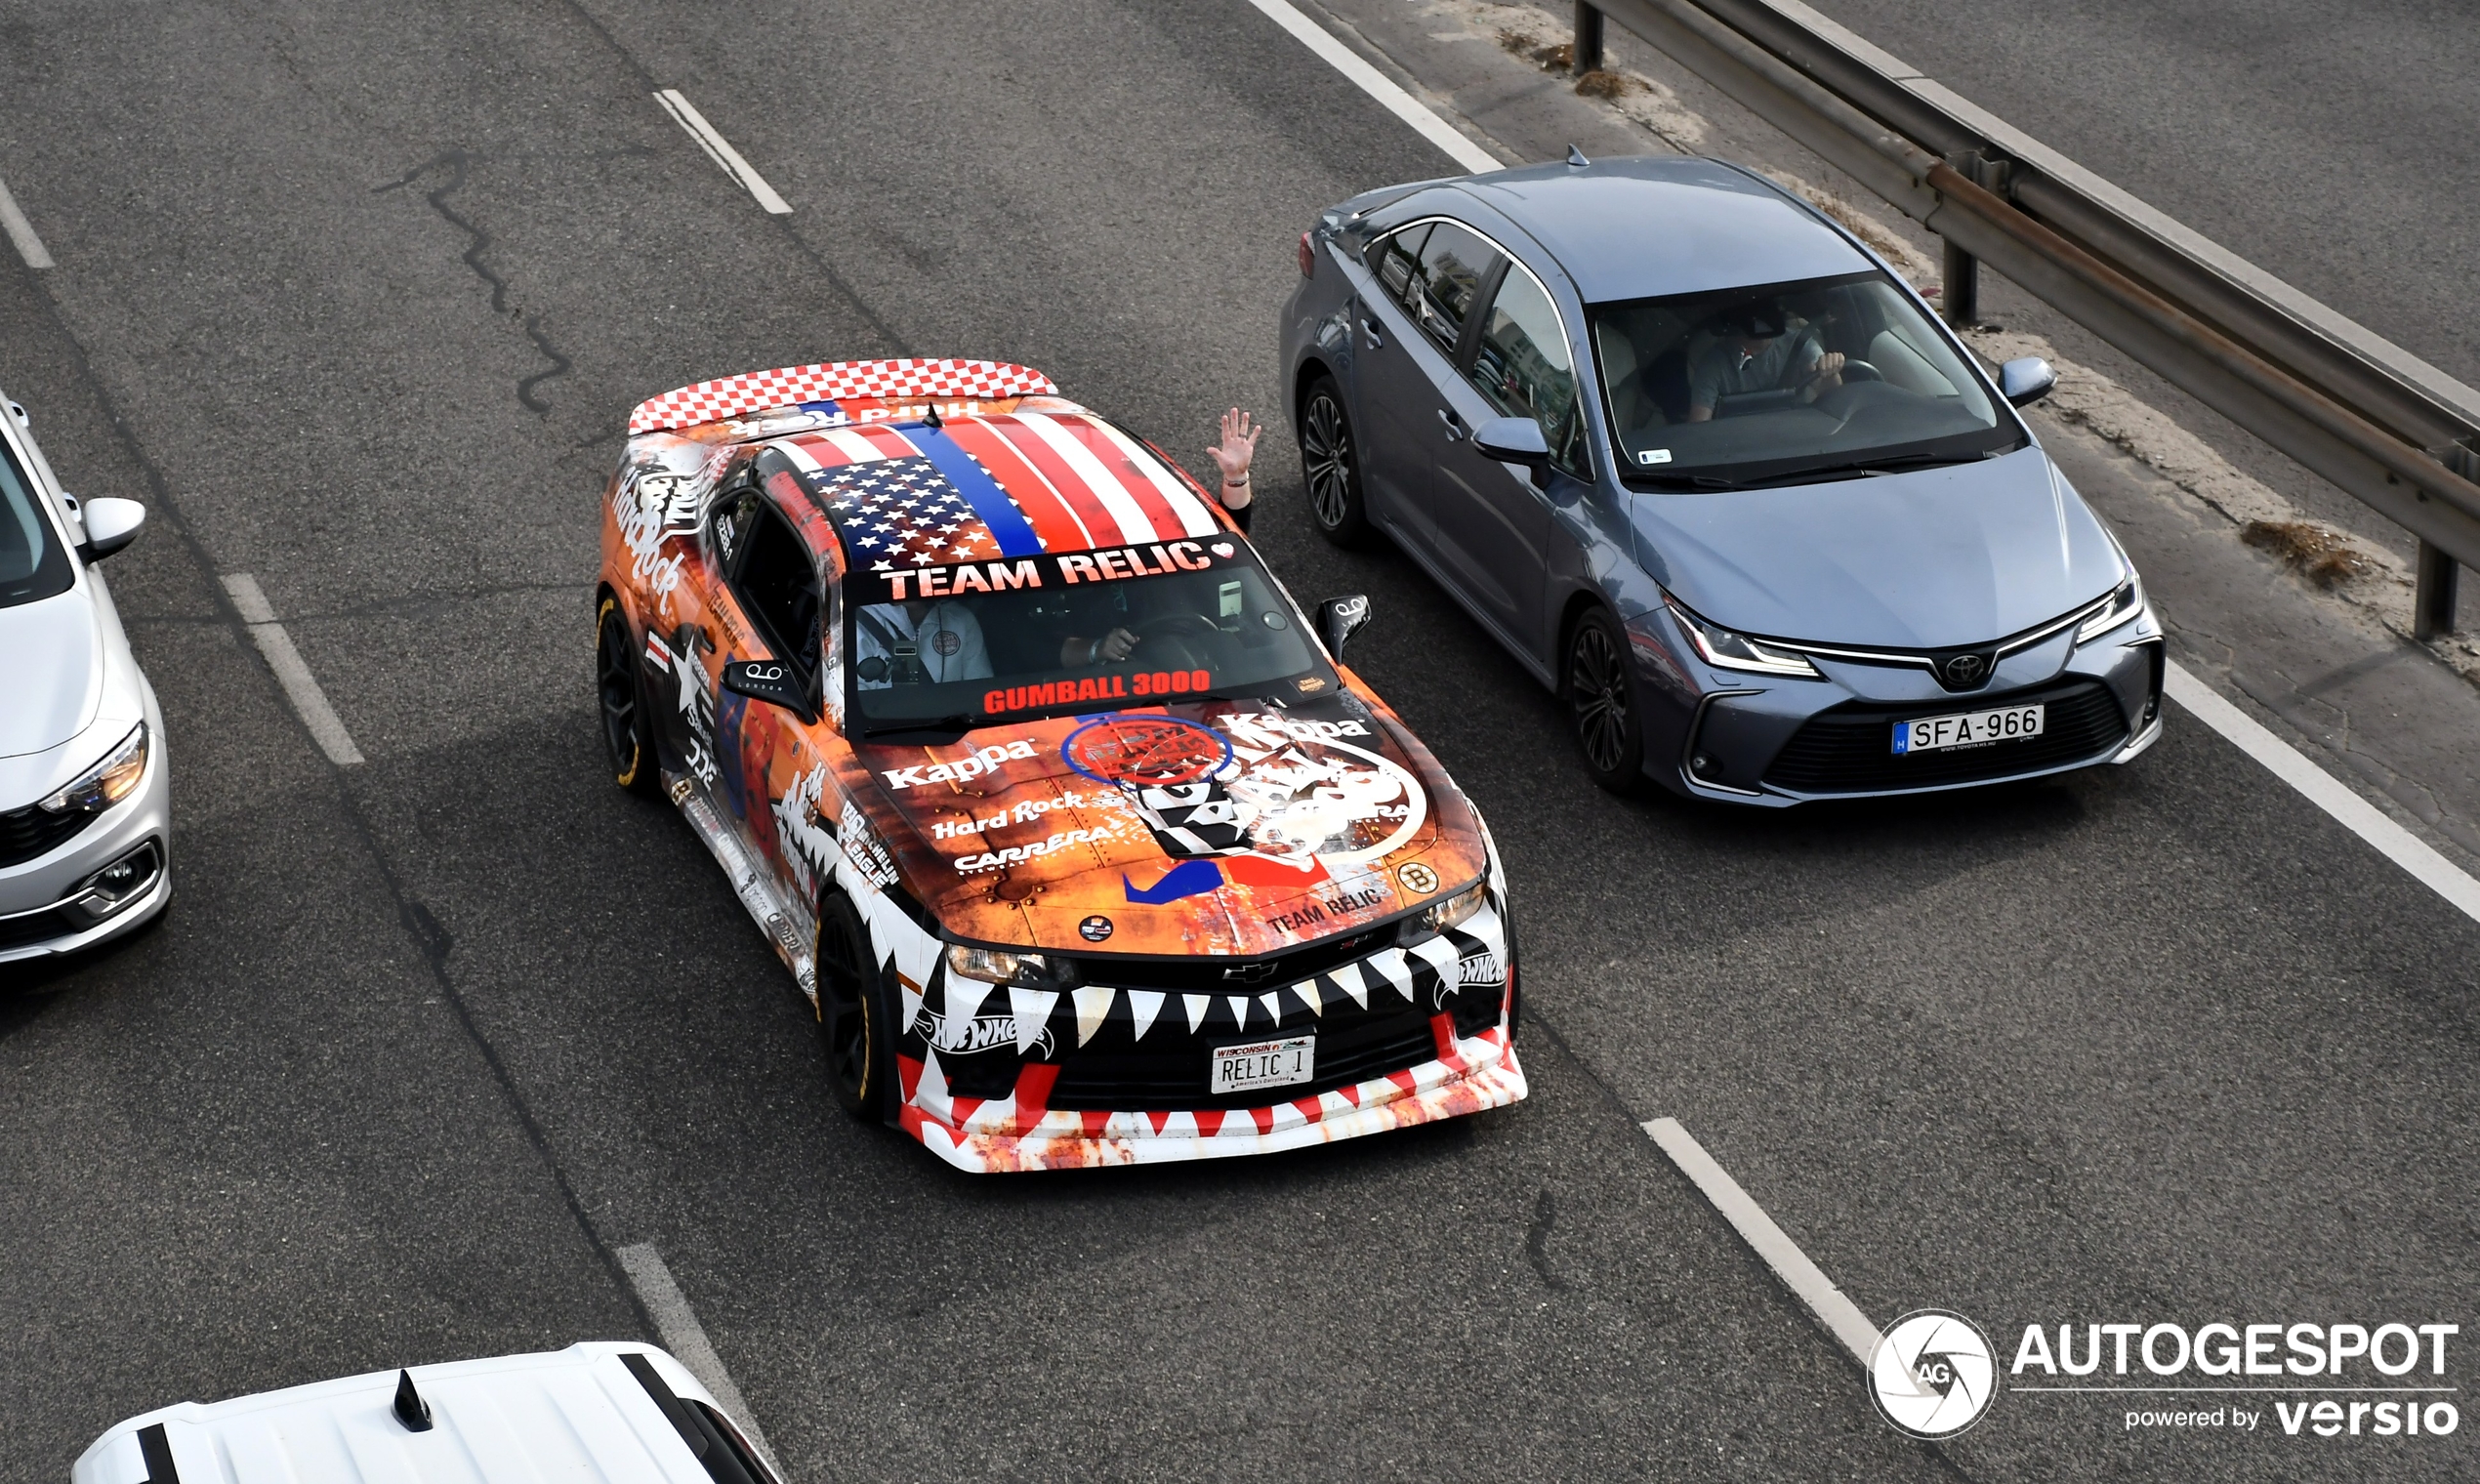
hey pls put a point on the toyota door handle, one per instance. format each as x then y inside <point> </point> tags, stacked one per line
<point>1376,341</point>
<point>1455,425</point>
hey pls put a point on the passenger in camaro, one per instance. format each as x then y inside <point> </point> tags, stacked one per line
<point>1751,353</point>
<point>1232,454</point>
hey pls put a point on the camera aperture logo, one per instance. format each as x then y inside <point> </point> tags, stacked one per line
<point>1933,1373</point>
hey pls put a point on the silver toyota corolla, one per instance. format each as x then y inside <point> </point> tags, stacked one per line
<point>1712,472</point>
<point>84,821</point>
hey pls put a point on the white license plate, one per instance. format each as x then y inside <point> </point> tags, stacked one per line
<point>1264,1064</point>
<point>1970,728</point>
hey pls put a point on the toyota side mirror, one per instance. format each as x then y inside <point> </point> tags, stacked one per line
<point>1514,440</point>
<point>772,682</point>
<point>110,524</point>
<point>1339,619</point>
<point>2025,381</point>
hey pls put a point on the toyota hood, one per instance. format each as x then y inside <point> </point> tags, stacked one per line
<point>1931,558</point>
<point>51,670</point>
<point>1228,827</point>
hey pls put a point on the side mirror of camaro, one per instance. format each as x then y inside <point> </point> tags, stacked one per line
<point>110,524</point>
<point>772,682</point>
<point>1339,619</point>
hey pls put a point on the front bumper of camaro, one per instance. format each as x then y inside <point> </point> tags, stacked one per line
<point>1084,1101</point>
<point>51,905</point>
<point>1774,741</point>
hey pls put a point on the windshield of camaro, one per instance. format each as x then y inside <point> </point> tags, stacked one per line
<point>1016,639</point>
<point>1764,384</point>
<point>32,564</point>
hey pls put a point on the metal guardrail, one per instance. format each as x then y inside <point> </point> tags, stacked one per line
<point>2392,429</point>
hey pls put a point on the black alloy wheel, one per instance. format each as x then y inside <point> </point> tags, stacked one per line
<point>854,1027</point>
<point>1330,462</point>
<point>1607,728</point>
<point>624,736</point>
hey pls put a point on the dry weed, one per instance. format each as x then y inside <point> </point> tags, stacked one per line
<point>1552,59</point>
<point>2323,557</point>
<point>1603,83</point>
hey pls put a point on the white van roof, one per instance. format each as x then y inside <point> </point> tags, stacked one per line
<point>616,1411</point>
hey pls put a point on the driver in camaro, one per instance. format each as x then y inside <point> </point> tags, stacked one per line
<point>1083,848</point>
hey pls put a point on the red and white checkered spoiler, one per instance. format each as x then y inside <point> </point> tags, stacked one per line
<point>912,380</point>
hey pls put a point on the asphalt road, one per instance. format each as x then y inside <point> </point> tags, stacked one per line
<point>358,304</point>
<point>2330,145</point>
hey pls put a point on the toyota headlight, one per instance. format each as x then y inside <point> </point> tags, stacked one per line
<point>994,966</point>
<point>1737,651</point>
<point>2122,604</point>
<point>108,782</point>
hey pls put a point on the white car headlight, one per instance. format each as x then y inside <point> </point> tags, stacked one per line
<point>2122,605</point>
<point>108,782</point>
<point>993,966</point>
<point>1737,651</point>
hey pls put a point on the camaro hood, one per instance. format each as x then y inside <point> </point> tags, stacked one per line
<point>51,671</point>
<point>1927,559</point>
<point>1228,827</point>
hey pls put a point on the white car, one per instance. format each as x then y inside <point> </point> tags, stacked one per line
<point>605,1411</point>
<point>85,804</point>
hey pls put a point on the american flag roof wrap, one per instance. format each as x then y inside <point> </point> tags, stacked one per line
<point>909,379</point>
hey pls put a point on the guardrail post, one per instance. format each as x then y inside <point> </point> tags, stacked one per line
<point>2432,597</point>
<point>1587,56</point>
<point>1959,270</point>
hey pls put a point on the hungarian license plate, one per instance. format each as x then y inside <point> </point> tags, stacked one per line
<point>1264,1064</point>
<point>1970,728</point>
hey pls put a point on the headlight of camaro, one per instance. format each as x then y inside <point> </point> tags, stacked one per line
<point>1438,916</point>
<point>992,965</point>
<point>108,782</point>
<point>1737,651</point>
<point>2124,604</point>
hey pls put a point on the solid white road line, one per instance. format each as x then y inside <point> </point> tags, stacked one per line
<point>2285,762</point>
<point>290,671</point>
<point>21,232</point>
<point>1839,1316</point>
<point>2324,791</point>
<point>1412,111</point>
<point>686,1338</point>
<point>719,150</point>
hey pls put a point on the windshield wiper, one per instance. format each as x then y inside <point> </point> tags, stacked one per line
<point>1873,466</point>
<point>1683,481</point>
<point>960,722</point>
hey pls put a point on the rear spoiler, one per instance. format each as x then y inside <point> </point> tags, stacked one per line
<point>911,380</point>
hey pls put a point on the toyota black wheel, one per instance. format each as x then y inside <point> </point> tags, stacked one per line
<point>623,735</point>
<point>1604,703</point>
<point>1330,462</point>
<point>853,1029</point>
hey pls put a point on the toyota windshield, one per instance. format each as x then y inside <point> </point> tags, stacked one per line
<point>1751,385</point>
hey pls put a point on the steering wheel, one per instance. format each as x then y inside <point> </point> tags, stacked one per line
<point>1174,625</point>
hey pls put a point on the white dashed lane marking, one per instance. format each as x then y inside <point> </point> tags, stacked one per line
<point>719,150</point>
<point>21,232</point>
<point>686,1338</point>
<point>300,687</point>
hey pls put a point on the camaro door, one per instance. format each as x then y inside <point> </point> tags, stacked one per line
<point>680,653</point>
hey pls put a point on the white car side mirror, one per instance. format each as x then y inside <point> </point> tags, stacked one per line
<point>110,524</point>
<point>2026,381</point>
